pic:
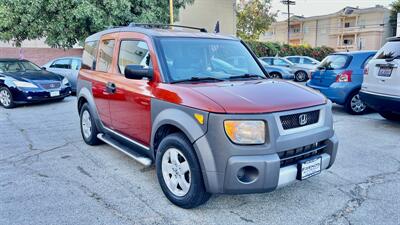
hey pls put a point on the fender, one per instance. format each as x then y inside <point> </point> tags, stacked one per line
<point>84,89</point>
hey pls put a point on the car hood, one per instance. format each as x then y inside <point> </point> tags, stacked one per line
<point>259,96</point>
<point>34,76</point>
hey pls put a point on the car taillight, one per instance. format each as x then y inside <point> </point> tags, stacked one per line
<point>366,71</point>
<point>345,76</point>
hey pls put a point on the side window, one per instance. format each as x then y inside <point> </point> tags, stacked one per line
<point>268,60</point>
<point>89,55</point>
<point>294,59</point>
<point>61,64</point>
<point>76,64</point>
<point>307,61</point>
<point>133,53</point>
<point>367,61</point>
<point>105,55</point>
<point>280,62</point>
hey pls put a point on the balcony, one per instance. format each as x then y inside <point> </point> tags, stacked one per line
<point>296,35</point>
<point>356,29</point>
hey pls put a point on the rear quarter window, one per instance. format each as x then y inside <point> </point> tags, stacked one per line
<point>389,50</point>
<point>89,55</point>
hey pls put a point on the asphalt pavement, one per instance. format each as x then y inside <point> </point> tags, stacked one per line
<point>48,175</point>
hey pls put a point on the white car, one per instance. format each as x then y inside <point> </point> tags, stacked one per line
<point>303,60</point>
<point>381,86</point>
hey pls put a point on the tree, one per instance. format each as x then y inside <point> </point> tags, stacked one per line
<point>254,18</point>
<point>395,8</point>
<point>64,23</point>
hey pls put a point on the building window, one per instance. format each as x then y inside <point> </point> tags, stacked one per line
<point>105,55</point>
<point>347,24</point>
<point>347,41</point>
<point>133,53</point>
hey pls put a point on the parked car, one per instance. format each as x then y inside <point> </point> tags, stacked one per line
<point>381,86</point>
<point>67,67</point>
<point>304,61</point>
<point>339,78</point>
<point>199,106</point>
<point>278,72</point>
<point>301,72</point>
<point>22,82</point>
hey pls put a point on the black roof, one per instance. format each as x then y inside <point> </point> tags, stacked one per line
<point>159,32</point>
<point>394,39</point>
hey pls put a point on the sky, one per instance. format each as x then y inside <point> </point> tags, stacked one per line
<point>322,7</point>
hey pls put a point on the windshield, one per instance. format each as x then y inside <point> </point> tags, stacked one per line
<point>389,50</point>
<point>334,62</point>
<point>207,58</point>
<point>18,66</point>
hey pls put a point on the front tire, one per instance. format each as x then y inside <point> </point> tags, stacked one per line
<point>390,116</point>
<point>6,98</point>
<point>354,105</point>
<point>300,76</point>
<point>179,172</point>
<point>88,127</point>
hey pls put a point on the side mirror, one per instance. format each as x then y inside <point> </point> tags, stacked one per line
<point>137,72</point>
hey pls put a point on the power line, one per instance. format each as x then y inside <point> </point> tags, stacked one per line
<point>288,3</point>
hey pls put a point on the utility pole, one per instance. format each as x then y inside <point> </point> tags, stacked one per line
<point>171,12</point>
<point>288,3</point>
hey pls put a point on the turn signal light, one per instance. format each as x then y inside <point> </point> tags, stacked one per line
<point>345,76</point>
<point>366,71</point>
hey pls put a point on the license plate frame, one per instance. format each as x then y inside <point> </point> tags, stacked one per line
<point>385,71</point>
<point>313,165</point>
<point>54,93</point>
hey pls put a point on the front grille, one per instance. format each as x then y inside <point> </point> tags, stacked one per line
<point>293,156</point>
<point>299,119</point>
<point>53,85</point>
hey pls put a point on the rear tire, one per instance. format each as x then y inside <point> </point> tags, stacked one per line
<point>6,98</point>
<point>88,126</point>
<point>300,76</point>
<point>354,105</point>
<point>390,116</point>
<point>179,172</point>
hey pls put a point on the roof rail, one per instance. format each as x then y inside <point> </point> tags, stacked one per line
<point>163,26</point>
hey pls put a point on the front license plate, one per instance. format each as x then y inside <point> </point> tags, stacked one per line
<point>54,93</point>
<point>309,167</point>
<point>385,72</point>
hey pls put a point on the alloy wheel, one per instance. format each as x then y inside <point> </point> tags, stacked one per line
<point>301,76</point>
<point>5,98</point>
<point>176,172</point>
<point>86,124</point>
<point>357,105</point>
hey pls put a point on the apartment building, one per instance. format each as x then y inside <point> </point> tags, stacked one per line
<point>347,30</point>
<point>202,13</point>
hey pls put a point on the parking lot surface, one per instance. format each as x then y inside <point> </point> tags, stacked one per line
<point>48,175</point>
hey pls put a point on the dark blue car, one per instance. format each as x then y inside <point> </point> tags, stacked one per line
<point>22,82</point>
<point>339,78</point>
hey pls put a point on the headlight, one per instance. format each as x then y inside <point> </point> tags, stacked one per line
<point>245,132</point>
<point>23,84</point>
<point>65,82</point>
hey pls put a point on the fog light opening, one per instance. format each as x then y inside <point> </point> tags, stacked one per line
<point>247,174</point>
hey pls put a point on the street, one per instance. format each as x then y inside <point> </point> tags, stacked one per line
<point>48,175</point>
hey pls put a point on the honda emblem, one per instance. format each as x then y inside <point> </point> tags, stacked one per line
<point>303,119</point>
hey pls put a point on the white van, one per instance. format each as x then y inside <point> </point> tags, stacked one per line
<point>381,87</point>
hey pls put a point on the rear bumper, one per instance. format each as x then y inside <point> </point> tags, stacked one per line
<point>30,96</point>
<point>381,102</point>
<point>336,92</point>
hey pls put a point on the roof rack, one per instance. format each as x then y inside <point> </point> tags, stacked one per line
<point>164,26</point>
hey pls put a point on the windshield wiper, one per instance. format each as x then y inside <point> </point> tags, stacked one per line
<point>195,79</point>
<point>247,75</point>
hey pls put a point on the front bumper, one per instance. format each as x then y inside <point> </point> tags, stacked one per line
<point>336,92</point>
<point>22,96</point>
<point>381,102</point>
<point>223,161</point>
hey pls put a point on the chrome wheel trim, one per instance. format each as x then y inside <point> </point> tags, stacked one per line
<point>301,76</point>
<point>176,172</point>
<point>5,98</point>
<point>86,124</point>
<point>356,104</point>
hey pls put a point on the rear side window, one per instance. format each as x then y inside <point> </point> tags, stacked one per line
<point>267,60</point>
<point>133,53</point>
<point>89,55</point>
<point>294,59</point>
<point>75,64</point>
<point>335,62</point>
<point>307,61</point>
<point>61,64</point>
<point>105,55</point>
<point>389,50</point>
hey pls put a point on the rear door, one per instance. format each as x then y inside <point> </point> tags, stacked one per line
<point>330,67</point>
<point>384,70</point>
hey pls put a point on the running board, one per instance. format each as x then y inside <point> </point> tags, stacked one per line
<point>145,161</point>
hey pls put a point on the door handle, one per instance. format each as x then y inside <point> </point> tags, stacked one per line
<point>111,88</point>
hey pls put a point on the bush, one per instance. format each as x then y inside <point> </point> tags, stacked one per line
<point>276,49</point>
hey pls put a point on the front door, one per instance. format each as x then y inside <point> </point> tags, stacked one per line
<point>130,103</point>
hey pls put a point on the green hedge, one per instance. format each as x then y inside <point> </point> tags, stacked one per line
<point>273,48</point>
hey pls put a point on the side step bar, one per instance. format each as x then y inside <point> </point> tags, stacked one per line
<point>145,161</point>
